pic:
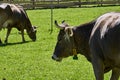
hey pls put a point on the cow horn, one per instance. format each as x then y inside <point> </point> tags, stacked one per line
<point>63,21</point>
<point>59,26</point>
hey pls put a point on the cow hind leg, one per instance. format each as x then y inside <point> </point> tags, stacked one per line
<point>115,74</point>
<point>22,33</point>
<point>7,35</point>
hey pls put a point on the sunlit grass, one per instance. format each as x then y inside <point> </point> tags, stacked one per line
<point>32,60</point>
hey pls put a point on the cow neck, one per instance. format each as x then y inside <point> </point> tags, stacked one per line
<point>28,26</point>
<point>74,47</point>
<point>85,30</point>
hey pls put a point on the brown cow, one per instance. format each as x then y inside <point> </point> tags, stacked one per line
<point>15,16</point>
<point>98,41</point>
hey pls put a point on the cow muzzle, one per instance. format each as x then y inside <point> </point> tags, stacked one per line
<point>54,57</point>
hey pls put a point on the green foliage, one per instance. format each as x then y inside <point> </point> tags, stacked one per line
<point>32,60</point>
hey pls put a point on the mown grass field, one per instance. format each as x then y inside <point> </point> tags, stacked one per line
<point>32,60</point>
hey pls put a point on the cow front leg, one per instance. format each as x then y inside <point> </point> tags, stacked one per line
<point>98,68</point>
<point>115,74</point>
<point>7,35</point>
<point>0,41</point>
<point>97,60</point>
<point>22,33</point>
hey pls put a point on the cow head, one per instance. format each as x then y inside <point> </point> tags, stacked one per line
<point>32,33</point>
<point>64,46</point>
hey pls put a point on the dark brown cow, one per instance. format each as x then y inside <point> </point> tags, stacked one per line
<point>15,16</point>
<point>98,41</point>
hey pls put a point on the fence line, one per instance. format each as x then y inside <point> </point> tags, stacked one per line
<point>55,4</point>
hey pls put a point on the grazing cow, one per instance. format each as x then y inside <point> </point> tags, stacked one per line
<point>15,16</point>
<point>98,41</point>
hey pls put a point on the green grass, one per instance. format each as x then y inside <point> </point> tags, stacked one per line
<point>32,60</point>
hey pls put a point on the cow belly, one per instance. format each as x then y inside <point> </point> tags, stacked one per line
<point>111,52</point>
<point>7,23</point>
<point>3,18</point>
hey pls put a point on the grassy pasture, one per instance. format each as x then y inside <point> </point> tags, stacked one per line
<point>32,60</point>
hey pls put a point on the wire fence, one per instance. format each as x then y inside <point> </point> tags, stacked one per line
<point>34,4</point>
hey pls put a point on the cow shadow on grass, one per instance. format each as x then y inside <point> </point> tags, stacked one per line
<point>10,44</point>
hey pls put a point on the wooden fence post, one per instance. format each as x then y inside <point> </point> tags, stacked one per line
<point>79,3</point>
<point>118,2</point>
<point>58,1</point>
<point>101,2</point>
<point>33,4</point>
<point>51,16</point>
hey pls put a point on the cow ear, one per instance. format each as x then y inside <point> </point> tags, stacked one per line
<point>69,31</point>
<point>35,27</point>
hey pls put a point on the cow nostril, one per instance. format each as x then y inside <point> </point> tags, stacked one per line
<point>54,57</point>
